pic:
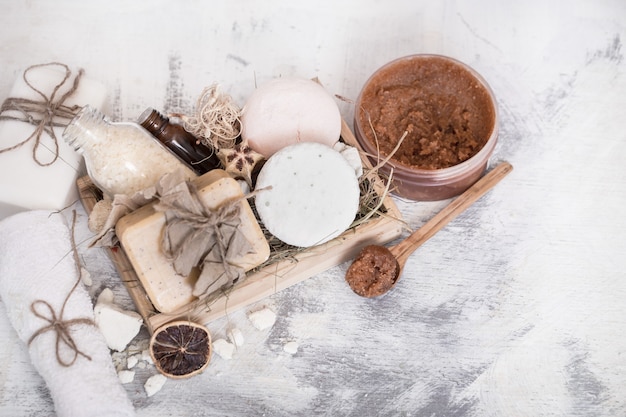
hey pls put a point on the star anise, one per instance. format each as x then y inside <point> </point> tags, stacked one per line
<point>241,161</point>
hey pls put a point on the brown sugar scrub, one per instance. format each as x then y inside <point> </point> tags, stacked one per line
<point>373,272</point>
<point>447,115</point>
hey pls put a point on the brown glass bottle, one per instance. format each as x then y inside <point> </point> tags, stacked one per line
<point>189,149</point>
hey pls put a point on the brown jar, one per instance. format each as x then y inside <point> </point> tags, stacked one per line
<point>187,147</point>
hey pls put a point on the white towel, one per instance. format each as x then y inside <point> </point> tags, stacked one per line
<point>36,262</point>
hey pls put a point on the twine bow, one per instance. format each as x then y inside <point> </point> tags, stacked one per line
<point>57,324</point>
<point>196,236</point>
<point>44,113</point>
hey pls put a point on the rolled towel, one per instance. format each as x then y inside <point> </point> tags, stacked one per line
<point>37,272</point>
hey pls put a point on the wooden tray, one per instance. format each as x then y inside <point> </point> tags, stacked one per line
<point>271,278</point>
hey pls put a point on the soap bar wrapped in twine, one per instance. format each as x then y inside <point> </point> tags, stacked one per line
<point>198,236</point>
<point>44,114</point>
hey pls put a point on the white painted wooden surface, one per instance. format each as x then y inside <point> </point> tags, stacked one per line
<point>518,308</point>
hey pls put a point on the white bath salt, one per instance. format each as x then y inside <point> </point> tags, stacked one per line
<point>291,347</point>
<point>154,384</point>
<point>122,158</point>
<point>262,319</point>
<point>85,276</point>
<point>118,326</point>
<point>126,376</point>
<point>142,365</point>
<point>132,361</point>
<point>236,336</point>
<point>224,348</point>
<point>351,154</point>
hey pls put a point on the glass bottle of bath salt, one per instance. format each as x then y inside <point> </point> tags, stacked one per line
<point>120,157</point>
<point>199,157</point>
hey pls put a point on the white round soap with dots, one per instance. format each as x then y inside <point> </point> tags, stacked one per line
<point>314,195</point>
<point>285,111</point>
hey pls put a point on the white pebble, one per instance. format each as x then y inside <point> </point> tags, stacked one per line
<point>351,154</point>
<point>132,361</point>
<point>262,319</point>
<point>224,348</point>
<point>291,348</point>
<point>126,376</point>
<point>105,297</point>
<point>145,356</point>
<point>118,326</point>
<point>154,384</point>
<point>236,337</point>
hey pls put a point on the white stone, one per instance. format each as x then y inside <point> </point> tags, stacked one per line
<point>262,319</point>
<point>146,357</point>
<point>236,337</point>
<point>132,361</point>
<point>154,384</point>
<point>291,347</point>
<point>105,297</point>
<point>351,154</point>
<point>118,326</point>
<point>224,348</point>
<point>126,376</point>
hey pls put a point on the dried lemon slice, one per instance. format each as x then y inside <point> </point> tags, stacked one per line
<point>181,349</point>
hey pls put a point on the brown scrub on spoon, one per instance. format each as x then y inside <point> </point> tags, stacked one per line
<point>377,269</point>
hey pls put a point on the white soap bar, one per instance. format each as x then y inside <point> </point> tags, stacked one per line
<point>24,185</point>
<point>287,111</point>
<point>314,195</point>
<point>140,235</point>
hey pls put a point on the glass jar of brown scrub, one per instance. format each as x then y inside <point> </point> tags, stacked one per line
<point>445,115</point>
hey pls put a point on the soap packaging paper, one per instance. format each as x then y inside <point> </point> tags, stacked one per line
<point>24,184</point>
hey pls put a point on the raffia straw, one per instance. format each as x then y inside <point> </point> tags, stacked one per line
<point>216,120</point>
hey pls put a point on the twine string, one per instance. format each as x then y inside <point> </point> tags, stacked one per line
<point>195,235</point>
<point>56,323</point>
<point>44,113</point>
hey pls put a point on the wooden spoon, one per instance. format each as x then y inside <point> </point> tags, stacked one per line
<point>377,269</point>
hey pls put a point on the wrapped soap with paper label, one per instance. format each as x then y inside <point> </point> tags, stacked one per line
<point>38,170</point>
<point>212,232</point>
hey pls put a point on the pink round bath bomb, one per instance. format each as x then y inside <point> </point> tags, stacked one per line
<point>286,111</point>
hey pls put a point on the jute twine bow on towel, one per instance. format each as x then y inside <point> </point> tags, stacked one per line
<point>44,113</point>
<point>197,236</point>
<point>56,323</point>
